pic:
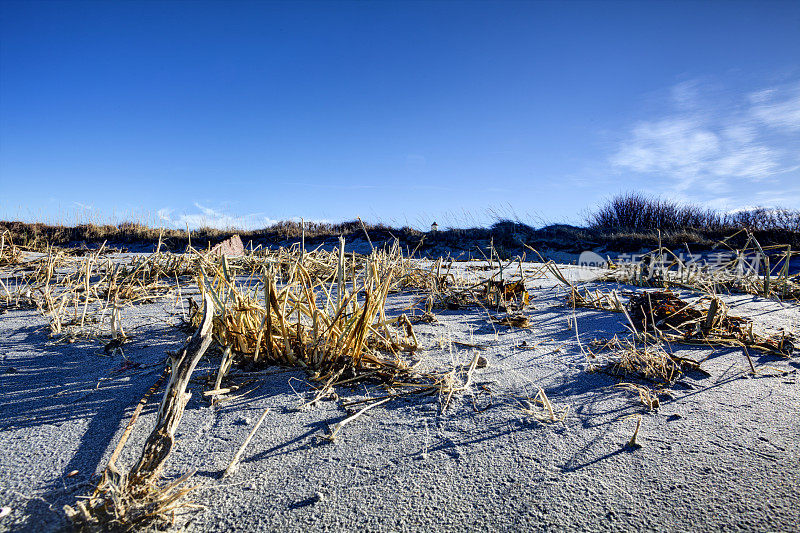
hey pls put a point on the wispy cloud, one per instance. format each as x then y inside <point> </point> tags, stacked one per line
<point>699,144</point>
<point>81,205</point>
<point>685,95</point>
<point>213,218</point>
<point>777,109</point>
<point>165,214</point>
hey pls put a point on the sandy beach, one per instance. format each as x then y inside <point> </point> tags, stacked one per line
<point>720,451</point>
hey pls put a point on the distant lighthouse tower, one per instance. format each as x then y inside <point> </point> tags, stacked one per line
<point>434,227</point>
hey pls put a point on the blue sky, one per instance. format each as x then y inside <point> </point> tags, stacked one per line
<point>241,113</point>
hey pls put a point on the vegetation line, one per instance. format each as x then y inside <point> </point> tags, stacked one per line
<point>625,222</point>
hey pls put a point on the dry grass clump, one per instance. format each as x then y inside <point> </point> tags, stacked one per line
<point>78,301</point>
<point>604,301</point>
<point>658,317</point>
<point>448,291</point>
<point>512,321</point>
<point>645,361</point>
<point>498,294</point>
<point>144,279</point>
<point>117,505</point>
<point>442,288</point>
<point>337,331</point>
<point>706,322</point>
<point>436,278</point>
<point>641,361</point>
<point>24,285</point>
<point>321,266</point>
<point>16,293</point>
<point>310,324</point>
<point>10,254</point>
<point>750,269</point>
<point>79,294</point>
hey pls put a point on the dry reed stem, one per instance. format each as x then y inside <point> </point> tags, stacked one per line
<point>632,444</point>
<point>647,396</point>
<point>340,425</point>
<point>543,410</point>
<point>604,301</point>
<point>233,465</point>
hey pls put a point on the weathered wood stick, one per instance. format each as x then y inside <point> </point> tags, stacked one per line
<point>159,444</point>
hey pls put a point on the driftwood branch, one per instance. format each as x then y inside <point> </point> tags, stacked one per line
<point>159,443</point>
<point>124,502</point>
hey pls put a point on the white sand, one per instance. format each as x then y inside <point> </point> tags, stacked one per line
<point>723,454</point>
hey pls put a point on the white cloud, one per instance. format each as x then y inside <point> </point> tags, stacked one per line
<point>777,109</point>
<point>675,146</point>
<point>164,214</point>
<point>714,149</point>
<point>686,94</point>
<point>213,218</point>
<point>741,133</point>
